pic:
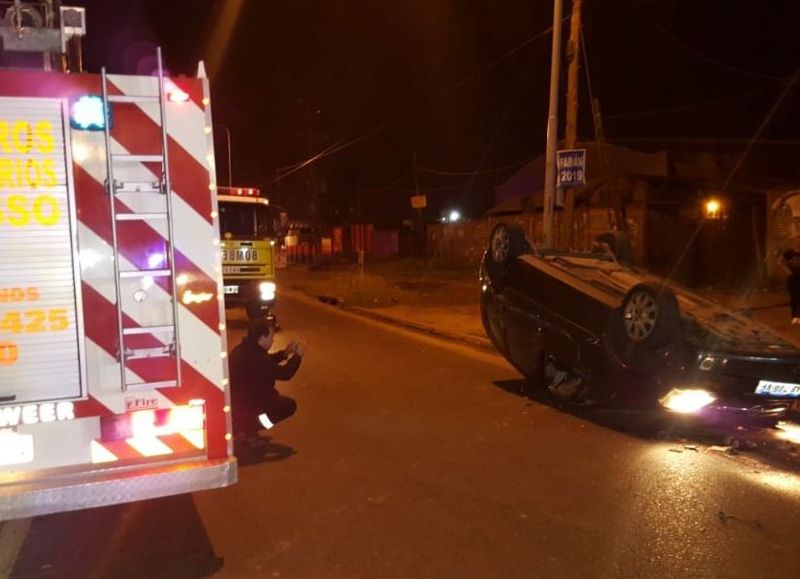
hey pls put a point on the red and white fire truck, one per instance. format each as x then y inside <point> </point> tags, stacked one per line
<point>113,374</point>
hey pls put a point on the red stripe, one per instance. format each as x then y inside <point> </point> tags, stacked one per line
<point>47,85</point>
<point>90,408</point>
<point>101,329</point>
<point>141,135</point>
<point>137,241</point>
<point>191,86</point>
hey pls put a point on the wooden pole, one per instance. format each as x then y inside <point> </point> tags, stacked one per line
<point>571,137</point>
<point>552,130</point>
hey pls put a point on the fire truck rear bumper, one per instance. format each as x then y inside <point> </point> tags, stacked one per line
<point>76,491</point>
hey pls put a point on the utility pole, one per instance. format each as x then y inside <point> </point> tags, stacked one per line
<point>552,129</point>
<point>230,163</point>
<point>420,221</point>
<point>571,137</point>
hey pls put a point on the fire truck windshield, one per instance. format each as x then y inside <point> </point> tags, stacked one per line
<point>246,220</point>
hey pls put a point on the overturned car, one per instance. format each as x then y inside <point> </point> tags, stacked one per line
<point>593,330</point>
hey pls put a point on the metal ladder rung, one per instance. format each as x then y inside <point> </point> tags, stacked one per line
<point>145,273</point>
<point>147,353</point>
<point>152,385</point>
<point>120,98</point>
<point>138,187</point>
<point>125,158</point>
<point>140,216</point>
<point>160,184</point>
<point>147,330</point>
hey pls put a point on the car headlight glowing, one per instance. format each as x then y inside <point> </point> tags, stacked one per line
<point>687,401</point>
<point>789,431</point>
<point>267,289</point>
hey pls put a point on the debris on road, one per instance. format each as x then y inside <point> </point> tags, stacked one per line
<point>752,523</point>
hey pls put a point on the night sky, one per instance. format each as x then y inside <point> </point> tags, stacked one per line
<point>441,78</point>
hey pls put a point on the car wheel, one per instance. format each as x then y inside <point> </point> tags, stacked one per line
<point>506,243</point>
<point>491,317</point>
<point>650,316</point>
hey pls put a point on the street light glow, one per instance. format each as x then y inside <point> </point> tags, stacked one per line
<point>713,207</point>
<point>454,216</point>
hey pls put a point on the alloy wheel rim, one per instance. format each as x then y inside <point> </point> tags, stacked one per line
<point>500,245</point>
<point>640,315</point>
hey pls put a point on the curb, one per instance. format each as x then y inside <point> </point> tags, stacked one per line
<point>482,344</point>
<point>465,339</point>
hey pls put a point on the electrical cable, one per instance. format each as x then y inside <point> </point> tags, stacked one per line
<point>709,59</point>
<point>505,55</point>
<point>686,107</point>
<point>331,150</point>
<point>478,172</point>
<point>763,126</point>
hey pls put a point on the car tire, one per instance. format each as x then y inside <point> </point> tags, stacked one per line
<point>651,317</point>
<point>506,243</point>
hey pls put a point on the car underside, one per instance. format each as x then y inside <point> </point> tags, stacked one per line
<point>595,331</point>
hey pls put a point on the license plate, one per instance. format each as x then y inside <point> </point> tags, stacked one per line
<point>231,289</point>
<point>769,388</point>
<point>240,255</point>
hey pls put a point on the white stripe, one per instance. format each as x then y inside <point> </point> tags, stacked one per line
<point>104,376</point>
<point>185,121</point>
<point>200,345</point>
<point>193,233</point>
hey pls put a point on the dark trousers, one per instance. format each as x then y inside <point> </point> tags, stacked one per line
<point>280,407</point>
<point>793,285</point>
<point>276,406</point>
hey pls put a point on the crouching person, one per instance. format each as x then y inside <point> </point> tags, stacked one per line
<point>256,403</point>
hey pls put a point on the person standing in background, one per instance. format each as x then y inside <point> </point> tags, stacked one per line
<point>789,261</point>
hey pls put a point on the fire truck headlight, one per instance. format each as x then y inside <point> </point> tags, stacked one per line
<point>267,289</point>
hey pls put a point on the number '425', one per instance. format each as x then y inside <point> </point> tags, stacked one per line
<point>34,321</point>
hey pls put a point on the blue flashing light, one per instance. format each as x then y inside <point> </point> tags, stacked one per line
<point>88,114</point>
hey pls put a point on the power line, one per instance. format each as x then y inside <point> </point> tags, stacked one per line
<point>505,55</point>
<point>686,107</point>
<point>763,126</point>
<point>331,150</point>
<point>702,55</point>
<point>478,172</point>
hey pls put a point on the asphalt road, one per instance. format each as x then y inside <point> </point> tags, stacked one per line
<point>410,457</point>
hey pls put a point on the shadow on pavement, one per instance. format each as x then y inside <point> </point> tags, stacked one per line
<point>639,423</point>
<point>272,452</point>
<point>655,425</point>
<point>156,538</point>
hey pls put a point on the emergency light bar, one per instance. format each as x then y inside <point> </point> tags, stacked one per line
<point>177,95</point>
<point>240,191</point>
<point>88,113</point>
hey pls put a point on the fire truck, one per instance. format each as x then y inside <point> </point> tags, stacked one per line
<point>113,374</point>
<point>248,224</point>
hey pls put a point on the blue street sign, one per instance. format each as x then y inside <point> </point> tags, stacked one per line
<point>571,165</point>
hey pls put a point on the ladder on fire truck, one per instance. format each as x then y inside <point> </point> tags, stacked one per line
<point>161,187</point>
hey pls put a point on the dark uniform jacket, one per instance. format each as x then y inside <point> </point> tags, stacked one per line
<point>253,373</point>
